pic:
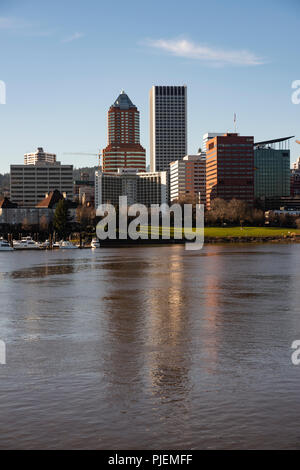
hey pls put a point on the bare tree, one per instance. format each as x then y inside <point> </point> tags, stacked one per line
<point>43,224</point>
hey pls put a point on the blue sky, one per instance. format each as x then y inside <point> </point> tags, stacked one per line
<point>65,62</point>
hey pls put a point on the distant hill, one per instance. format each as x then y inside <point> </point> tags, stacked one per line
<point>88,169</point>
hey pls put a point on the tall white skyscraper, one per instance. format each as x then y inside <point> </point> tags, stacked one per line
<point>168,125</point>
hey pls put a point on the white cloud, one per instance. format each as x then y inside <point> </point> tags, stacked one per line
<point>74,37</point>
<point>205,53</point>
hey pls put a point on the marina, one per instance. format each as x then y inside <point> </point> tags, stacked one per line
<point>27,243</point>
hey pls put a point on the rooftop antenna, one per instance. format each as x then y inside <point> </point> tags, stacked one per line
<point>234,122</point>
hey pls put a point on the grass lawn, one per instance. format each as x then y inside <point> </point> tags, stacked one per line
<point>249,231</point>
<point>237,232</point>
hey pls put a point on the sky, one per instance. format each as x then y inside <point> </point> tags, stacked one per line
<point>65,62</point>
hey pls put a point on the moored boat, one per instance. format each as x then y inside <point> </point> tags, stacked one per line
<point>95,243</point>
<point>26,243</point>
<point>67,245</point>
<point>5,246</point>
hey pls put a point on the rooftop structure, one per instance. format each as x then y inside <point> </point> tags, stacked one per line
<point>39,157</point>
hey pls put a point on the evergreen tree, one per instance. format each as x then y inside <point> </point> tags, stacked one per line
<point>61,218</point>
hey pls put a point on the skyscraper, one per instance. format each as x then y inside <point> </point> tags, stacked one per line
<point>124,149</point>
<point>168,125</point>
<point>230,168</point>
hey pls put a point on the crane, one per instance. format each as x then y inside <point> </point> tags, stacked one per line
<point>98,155</point>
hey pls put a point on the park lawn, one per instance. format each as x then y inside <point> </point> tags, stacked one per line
<point>249,231</point>
<point>237,232</point>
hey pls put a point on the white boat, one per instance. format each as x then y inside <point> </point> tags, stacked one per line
<point>46,244</point>
<point>66,245</point>
<point>26,243</point>
<point>5,246</point>
<point>95,243</point>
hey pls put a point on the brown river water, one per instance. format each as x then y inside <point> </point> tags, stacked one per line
<point>151,348</point>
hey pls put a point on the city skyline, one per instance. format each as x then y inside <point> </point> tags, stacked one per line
<point>61,75</point>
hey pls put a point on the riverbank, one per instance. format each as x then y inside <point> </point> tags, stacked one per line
<point>219,235</point>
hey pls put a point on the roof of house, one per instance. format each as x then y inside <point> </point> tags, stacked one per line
<point>5,203</point>
<point>52,199</point>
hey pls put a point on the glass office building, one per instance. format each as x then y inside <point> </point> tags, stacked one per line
<point>272,168</point>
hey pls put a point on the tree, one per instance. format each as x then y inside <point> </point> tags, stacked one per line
<point>218,212</point>
<point>43,223</point>
<point>61,218</point>
<point>258,217</point>
<point>85,217</point>
<point>237,211</point>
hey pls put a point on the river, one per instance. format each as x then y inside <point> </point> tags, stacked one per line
<point>151,348</point>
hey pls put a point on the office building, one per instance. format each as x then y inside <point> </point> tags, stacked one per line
<point>39,157</point>
<point>168,126</point>
<point>29,183</point>
<point>295,179</point>
<point>143,188</point>
<point>124,149</point>
<point>208,136</point>
<point>291,203</point>
<point>295,183</point>
<point>152,188</point>
<point>84,188</point>
<point>272,175</point>
<point>187,179</point>
<point>230,168</point>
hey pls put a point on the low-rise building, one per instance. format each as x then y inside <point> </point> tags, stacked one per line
<point>295,179</point>
<point>43,213</point>
<point>143,188</point>
<point>277,203</point>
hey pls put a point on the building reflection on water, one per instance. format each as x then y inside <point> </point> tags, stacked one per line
<point>168,333</point>
<point>147,344</point>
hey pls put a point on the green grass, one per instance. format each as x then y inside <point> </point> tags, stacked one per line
<point>238,232</point>
<point>248,231</point>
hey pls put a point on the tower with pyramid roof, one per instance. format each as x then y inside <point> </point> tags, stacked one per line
<point>124,149</point>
